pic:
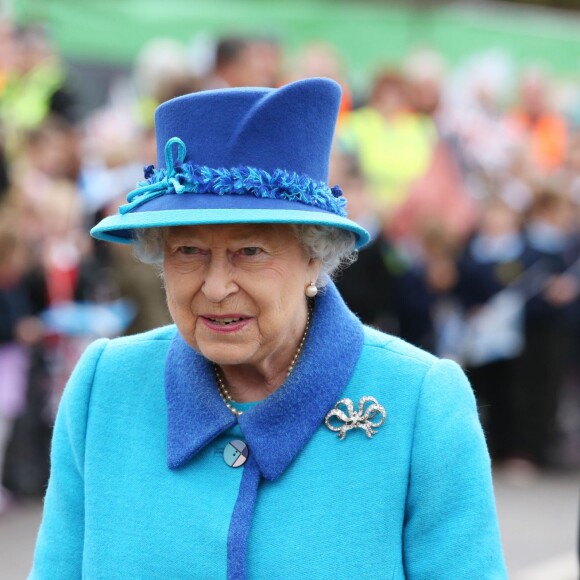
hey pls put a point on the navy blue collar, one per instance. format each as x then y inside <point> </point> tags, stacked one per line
<point>277,428</point>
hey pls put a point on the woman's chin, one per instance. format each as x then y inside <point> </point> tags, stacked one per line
<point>226,355</point>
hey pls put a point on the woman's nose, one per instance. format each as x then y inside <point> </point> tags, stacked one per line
<point>219,282</point>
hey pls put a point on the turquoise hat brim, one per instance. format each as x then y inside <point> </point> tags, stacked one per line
<point>119,228</point>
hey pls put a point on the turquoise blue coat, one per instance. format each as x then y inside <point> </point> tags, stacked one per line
<point>140,490</point>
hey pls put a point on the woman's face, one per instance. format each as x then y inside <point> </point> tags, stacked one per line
<point>236,292</point>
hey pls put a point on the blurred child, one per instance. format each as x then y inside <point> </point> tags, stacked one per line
<point>18,330</point>
<point>492,261</point>
<point>425,281</point>
<point>549,318</point>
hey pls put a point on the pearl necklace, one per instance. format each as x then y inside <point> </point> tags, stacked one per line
<point>223,391</point>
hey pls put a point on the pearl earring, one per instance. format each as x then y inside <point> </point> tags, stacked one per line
<point>311,290</point>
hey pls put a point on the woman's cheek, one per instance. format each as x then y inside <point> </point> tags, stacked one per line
<point>175,301</point>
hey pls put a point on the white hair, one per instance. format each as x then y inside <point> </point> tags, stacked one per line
<point>334,247</point>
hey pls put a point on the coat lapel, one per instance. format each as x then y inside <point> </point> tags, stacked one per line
<point>277,428</point>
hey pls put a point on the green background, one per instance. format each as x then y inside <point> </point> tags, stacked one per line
<point>367,34</point>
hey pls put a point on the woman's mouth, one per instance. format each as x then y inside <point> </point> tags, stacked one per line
<point>224,321</point>
<point>228,323</point>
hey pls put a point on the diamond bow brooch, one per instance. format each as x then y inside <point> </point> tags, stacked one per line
<point>361,419</point>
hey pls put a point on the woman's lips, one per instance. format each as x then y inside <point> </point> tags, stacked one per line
<point>225,322</point>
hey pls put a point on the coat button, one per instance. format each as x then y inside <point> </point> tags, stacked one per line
<point>236,453</point>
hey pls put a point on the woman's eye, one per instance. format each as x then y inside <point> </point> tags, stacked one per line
<point>250,251</point>
<point>189,250</point>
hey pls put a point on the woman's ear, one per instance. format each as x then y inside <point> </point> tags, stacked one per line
<point>314,267</point>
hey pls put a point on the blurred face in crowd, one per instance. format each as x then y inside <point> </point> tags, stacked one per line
<point>55,150</point>
<point>13,251</point>
<point>534,95</point>
<point>555,210</point>
<point>33,48</point>
<point>265,56</point>
<point>426,95</point>
<point>256,65</point>
<point>499,219</point>
<point>320,60</point>
<point>389,95</point>
<point>8,51</point>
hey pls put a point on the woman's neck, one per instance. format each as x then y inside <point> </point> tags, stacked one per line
<point>253,382</point>
<point>249,383</point>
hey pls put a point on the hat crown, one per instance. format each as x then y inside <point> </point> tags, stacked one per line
<point>247,155</point>
<point>290,128</point>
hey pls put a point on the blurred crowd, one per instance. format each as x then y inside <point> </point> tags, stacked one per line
<point>467,178</point>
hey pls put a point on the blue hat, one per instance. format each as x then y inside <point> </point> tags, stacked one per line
<point>244,155</point>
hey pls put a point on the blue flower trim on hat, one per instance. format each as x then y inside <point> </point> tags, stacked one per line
<point>179,177</point>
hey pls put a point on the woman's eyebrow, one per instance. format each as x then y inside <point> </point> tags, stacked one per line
<point>253,238</point>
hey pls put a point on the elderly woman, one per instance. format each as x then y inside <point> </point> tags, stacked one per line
<point>267,434</point>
